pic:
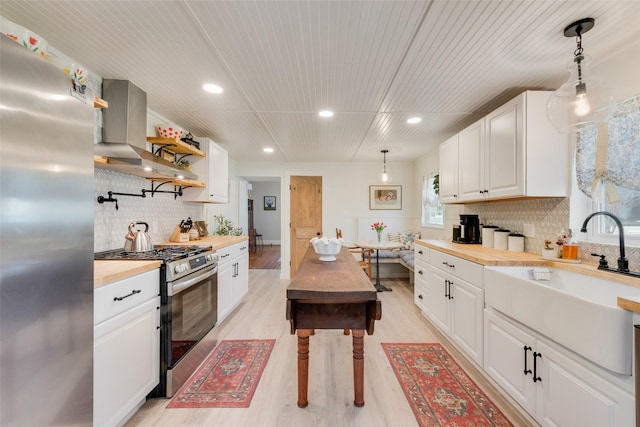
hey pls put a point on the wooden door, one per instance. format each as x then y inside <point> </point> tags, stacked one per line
<point>306,215</point>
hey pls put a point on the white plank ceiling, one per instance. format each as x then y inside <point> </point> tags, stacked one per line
<point>375,63</point>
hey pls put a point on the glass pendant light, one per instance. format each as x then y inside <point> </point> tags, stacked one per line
<point>384,177</point>
<point>584,98</point>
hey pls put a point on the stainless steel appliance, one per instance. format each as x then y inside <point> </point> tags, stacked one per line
<point>469,229</point>
<point>46,244</point>
<point>125,134</point>
<point>188,312</point>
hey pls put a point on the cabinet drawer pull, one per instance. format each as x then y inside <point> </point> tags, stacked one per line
<point>526,349</point>
<point>420,272</point>
<point>420,296</point>
<point>536,378</point>
<point>420,252</point>
<point>133,292</point>
<point>449,265</point>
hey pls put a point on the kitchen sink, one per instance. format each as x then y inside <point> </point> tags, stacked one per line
<point>576,310</point>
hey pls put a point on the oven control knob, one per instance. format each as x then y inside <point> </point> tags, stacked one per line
<point>209,258</point>
<point>180,268</point>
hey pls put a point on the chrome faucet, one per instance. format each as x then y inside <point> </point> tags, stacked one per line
<point>623,262</point>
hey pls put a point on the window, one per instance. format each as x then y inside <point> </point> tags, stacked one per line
<point>627,210</point>
<point>608,171</point>
<point>432,210</point>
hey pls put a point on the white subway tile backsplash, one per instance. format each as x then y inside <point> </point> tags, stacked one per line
<point>162,212</point>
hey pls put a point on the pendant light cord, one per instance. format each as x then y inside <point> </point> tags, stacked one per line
<point>578,53</point>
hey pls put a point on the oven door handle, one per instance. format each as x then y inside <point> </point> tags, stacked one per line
<point>181,286</point>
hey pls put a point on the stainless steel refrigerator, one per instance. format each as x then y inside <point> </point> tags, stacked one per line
<point>46,244</point>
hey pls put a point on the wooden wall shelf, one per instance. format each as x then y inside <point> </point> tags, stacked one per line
<point>180,182</point>
<point>100,103</point>
<point>175,146</point>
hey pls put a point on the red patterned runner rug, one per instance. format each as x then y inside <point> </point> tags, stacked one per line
<point>228,378</point>
<point>439,392</point>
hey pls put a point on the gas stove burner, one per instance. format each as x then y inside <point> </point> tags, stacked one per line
<point>165,253</point>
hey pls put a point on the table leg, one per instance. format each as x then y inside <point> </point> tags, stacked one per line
<point>379,286</point>
<point>358,367</point>
<point>303,366</point>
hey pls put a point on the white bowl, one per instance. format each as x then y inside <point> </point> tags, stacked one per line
<point>168,131</point>
<point>327,248</point>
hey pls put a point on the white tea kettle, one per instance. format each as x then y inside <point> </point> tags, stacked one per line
<point>137,240</point>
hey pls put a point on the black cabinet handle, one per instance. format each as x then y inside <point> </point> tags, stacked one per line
<point>446,288</point>
<point>450,294</point>
<point>526,349</point>
<point>449,265</point>
<point>420,252</point>
<point>133,292</point>
<point>420,296</point>
<point>420,272</point>
<point>536,378</point>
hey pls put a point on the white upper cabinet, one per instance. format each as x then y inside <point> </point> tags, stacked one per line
<point>470,162</point>
<point>449,170</point>
<point>213,170</point>
<point>512,152</point>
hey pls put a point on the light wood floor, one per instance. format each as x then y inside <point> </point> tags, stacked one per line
<point>261,314</point>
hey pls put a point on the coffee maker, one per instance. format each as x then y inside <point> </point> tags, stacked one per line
<point>469,229</point>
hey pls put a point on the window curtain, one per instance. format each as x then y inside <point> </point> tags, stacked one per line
<point>617,176</point>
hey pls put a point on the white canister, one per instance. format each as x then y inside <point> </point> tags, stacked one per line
<point>487,235</point>
<point>500,239</point>
<point>516,242</point>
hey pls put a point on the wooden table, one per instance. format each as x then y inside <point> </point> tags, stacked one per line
<point>331,295</point>
<point>386,245</point>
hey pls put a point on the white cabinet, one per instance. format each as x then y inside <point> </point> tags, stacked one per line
<point>421,278</point>
<point>514,151</point>
<point>126,353</point>
<point>213,170</point>
<point>233,277</point>
<point>470,163</point>
<point>456,301</point>
<point>448,158</point>
<point>549,382</point>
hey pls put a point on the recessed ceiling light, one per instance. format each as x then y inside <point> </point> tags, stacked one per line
<point>414,120</point>
<point>212,88</point>
<point>325,113</point>
<point>267,150</point>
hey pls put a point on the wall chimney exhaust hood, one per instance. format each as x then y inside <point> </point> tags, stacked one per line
<point>125,135</point>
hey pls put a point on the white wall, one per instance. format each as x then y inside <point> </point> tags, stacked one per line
<point>621,69</point>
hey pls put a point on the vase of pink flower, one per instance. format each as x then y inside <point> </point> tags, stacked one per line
<point>378,227</point>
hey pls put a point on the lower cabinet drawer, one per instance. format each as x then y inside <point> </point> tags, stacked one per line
<point>118,297</point>
<point>420,294</point>
<point>466,270</point>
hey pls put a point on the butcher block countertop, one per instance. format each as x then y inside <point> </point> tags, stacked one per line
<point>105,272</point>
<point>482,255</point>
<point>491,257</point>
<point>216,242</point>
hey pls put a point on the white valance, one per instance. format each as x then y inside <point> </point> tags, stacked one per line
<point>617,175</point>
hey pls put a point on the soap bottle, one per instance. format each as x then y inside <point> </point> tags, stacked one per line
<point>570,249</point>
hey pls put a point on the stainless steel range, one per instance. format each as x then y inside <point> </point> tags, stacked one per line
<point>189,302</point>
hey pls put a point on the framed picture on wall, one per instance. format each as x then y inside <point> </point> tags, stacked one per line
<point>385,197</point>
<point>269,203</point>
